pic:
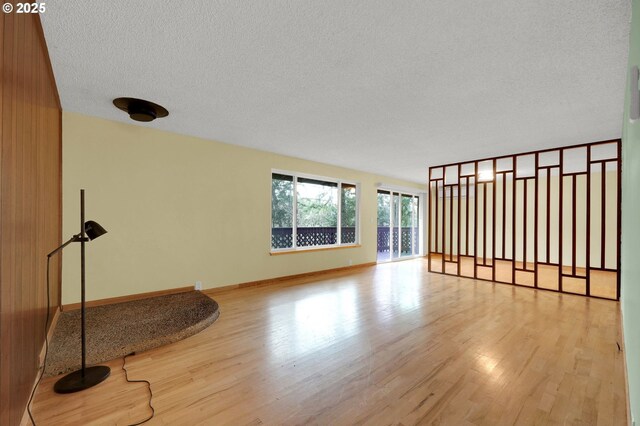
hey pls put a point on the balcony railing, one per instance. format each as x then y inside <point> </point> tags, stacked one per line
<point>383,238</point>
<point>312,236</point>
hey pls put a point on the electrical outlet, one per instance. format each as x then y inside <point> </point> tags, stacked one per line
<point>199,285</point>
<point>350,262</point>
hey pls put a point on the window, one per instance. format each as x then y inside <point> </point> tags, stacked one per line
<point>281,211</point>
<point>348,203</point>
<point>311,211</point>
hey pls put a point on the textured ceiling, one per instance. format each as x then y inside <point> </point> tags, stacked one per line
<point>389,87</point>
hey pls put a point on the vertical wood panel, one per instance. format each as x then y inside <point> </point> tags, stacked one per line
<point>30,205</point>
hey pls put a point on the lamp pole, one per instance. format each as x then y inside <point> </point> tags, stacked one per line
<point>83,378</point>
<point>82,284</point>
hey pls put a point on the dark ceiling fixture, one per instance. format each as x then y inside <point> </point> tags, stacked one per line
<point>140,110</point>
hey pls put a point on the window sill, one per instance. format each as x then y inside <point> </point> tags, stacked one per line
<point>307,250</point>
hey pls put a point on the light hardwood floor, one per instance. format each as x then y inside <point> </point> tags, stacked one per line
<point>389,344</point>
<point>602,283</point>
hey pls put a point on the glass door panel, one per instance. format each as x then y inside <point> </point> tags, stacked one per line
<point>415,222</point>
<point>398,225</point>
<point>395,220</point>
<point>384,226</point>
<point>406,225</point>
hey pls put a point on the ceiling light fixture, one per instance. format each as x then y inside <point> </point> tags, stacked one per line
<point>140,110</point>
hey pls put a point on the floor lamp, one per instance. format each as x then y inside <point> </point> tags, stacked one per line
<point>86,377</point>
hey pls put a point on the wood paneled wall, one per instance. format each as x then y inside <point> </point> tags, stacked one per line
<point>30,205</point>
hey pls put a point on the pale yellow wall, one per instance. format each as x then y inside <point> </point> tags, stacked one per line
<point>180,209</point>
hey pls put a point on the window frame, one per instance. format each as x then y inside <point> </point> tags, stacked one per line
<point>294,233</point>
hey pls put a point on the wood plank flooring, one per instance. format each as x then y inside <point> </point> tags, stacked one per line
<point>389,344</point>
<point>603,284</point>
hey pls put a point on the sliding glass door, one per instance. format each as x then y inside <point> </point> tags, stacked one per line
<point>398,225</point>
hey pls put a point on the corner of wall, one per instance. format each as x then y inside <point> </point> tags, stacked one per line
<point>630,247</point>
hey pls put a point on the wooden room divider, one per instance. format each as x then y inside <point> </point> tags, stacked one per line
<point>546,219</point>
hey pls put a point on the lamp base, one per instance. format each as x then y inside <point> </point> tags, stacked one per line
<point>76,381</point>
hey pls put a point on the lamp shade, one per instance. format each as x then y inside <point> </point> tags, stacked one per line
<point>93,229</point>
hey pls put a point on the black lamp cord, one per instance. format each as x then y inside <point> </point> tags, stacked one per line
<point>126,376</point>
<point>44,363</point>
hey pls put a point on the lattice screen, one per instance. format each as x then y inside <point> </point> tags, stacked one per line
<point>546,219</point>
